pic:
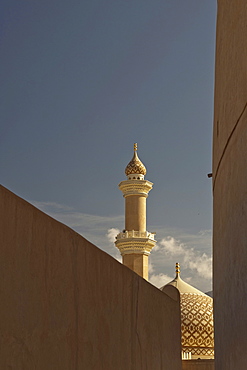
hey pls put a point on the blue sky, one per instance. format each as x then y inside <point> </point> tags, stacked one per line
<point>81,81</point>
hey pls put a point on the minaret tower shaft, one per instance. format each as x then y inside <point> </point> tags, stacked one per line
<point>135,242</point>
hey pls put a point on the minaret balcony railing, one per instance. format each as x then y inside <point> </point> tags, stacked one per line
<point>135,234</point>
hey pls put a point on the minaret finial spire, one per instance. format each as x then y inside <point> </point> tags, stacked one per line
<point>135,166</point>
<point>177,269</point>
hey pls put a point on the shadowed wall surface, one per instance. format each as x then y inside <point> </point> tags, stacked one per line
<point>230,187</point>
<point>65,304</point>
<point>198,365</point>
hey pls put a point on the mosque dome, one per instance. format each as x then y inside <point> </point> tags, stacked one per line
<point>135,166</point>
<point>197,328</point>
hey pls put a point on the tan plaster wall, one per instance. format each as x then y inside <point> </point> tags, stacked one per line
<point>198,365</point>
<point>135,213</point>
<point>230,187</point>
<point>65,304</point>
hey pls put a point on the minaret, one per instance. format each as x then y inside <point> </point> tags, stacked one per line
<point>135,242</point>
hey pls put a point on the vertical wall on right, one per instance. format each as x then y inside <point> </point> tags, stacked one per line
<point>230,187</point>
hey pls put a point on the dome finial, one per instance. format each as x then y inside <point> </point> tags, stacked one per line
<point>177,269</point>
<point>135,166</point>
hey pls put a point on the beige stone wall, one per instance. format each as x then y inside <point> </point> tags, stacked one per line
<point>230,187</point>
<point>65,304</point>
<point>198,365</point>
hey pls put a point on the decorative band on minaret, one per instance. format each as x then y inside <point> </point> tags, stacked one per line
<point>135,242</point>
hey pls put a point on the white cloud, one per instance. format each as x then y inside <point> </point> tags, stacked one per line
<point>156,247</point>
<point>159,280</point>
<point>190,258</point>
<point>150,267</point>
<point>202,264</point>
<point>205,232</point>
<point>112,233</point>
<point>172,246</point>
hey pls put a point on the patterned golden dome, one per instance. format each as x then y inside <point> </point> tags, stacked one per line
<point>135,165</point>
<point>197,327</point>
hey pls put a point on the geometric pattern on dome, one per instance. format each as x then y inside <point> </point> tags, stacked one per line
<point>135,165</point>
<point>197,327</point>
<point>200,351</point>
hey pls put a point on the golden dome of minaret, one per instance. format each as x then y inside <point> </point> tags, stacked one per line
<point>135,166</point>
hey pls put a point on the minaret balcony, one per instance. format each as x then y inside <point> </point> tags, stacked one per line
<point>135,187</point>
<point>135,242</point>
<point>135,234</point>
